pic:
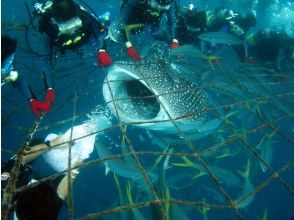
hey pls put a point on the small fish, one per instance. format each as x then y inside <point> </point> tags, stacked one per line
<point>223,175</point>
<point>248,188</point>
<point>136,213</point>
<point>203,210</point>
<point>265,146</point>
<point>213,193</point>
<point>266,154</point>
<point>220,38</point>
<point>265,215</point>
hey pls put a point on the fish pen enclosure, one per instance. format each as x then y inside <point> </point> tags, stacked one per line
<point>176,135</point>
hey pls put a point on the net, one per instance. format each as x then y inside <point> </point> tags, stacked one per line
<point>180,135</point>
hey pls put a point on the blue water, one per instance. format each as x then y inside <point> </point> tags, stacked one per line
<point>78,84</point>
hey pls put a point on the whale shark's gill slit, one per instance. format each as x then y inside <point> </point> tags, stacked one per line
<point>137,100</point>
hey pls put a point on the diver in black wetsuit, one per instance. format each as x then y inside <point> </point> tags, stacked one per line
<point>68,26</point>
<point>43,201</point>
<point>270,46</point>
<point>10,75</point>
<point>137,14</point>
<point>192,22</point>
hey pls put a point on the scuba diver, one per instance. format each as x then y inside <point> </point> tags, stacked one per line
<point>270,46</point>
<point>45,200</point>
<point>137,14</point>
<point>10,75</point>
<point>67,26</point>
<point>192,22</point>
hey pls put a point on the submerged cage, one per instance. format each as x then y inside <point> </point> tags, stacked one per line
<point>227,154</point>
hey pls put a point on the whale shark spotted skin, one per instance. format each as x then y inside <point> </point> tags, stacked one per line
<point>152,93</point>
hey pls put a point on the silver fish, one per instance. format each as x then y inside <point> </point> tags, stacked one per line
<point>124,166</point>
<point>266,153</point>
<point>247,188</point>
<point>220,38</point>
<point>121,166</point>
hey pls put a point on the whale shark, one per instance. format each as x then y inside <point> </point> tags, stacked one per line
<point>154,93</point>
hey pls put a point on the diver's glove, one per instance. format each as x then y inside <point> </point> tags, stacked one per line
<point>103,58</point>
<point>174,44</point>
<point>50,96</point>
<point>132,52</point>
<point>39,107</point>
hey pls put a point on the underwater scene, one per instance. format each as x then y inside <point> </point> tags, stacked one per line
<point>147,109</point>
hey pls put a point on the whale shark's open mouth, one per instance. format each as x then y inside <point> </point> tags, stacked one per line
<point>134,99</point>
<point>139,100</point>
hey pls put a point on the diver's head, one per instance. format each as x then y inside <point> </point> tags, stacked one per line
<point>250,19</point>
<point>195,20</point>
<point>64,10</point>
<point>8,47</point>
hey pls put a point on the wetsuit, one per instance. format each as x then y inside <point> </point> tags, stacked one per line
<point>191,23</point>
<point>91,27</point>
<point>26,173</point>
<point>264,45</point>
<point>137,14</point>
<point>270,46</point>
<point>39,202</point>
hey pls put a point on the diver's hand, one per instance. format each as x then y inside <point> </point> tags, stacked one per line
<point>174,44</point>
<point>132,52</point>
<point>103,58</point>
<point>50,96</point>
<point>39,107</point>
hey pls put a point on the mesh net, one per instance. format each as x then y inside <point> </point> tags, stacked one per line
<point>183,138</point>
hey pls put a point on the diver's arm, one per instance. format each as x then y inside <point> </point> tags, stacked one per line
<point>21,81</point>
<point>62,188</point>
<point>99,31</point>
<point>23,86</point>
<point>171,16</point>
<point>44,64</point>
<point>127,14</point>
<point>35,151</point>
